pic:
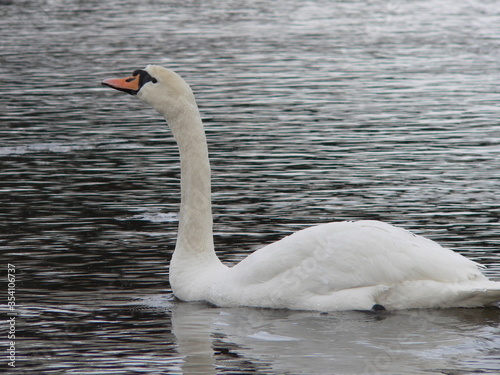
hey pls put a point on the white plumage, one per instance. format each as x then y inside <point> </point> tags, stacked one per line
<point>334,266</point>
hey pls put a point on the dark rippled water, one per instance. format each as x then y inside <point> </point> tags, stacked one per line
<point>315,111</point>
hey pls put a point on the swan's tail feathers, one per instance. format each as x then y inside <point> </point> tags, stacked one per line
<point>432,294</point>
<point>487,296</point>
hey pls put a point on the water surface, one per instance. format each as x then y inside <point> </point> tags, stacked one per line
<point>315,111</point>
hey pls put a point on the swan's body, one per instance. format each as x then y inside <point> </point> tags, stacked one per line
<point>335,266</point>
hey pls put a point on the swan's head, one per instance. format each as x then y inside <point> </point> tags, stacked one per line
<point>161,88</point>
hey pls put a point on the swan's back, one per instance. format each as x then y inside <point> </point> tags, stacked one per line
<point>360,253</point>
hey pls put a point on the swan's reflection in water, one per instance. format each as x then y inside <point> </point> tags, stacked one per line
<point>245,340</point>
<point>192,326</point>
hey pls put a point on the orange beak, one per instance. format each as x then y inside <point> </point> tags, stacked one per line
<point>130,85</point>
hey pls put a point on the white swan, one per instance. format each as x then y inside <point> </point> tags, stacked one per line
<point>335,266</point>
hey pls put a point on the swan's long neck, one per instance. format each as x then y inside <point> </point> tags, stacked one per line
<point>195,245</point>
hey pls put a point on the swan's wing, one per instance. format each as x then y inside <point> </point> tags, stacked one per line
<point>333,257</point>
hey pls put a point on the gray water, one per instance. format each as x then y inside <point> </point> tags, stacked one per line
<point>315,111</point>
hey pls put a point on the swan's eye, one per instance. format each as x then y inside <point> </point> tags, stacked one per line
<point>144,77</point>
